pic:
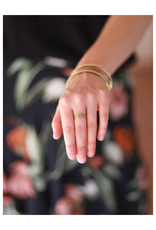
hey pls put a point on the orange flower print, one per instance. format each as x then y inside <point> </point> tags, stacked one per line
<point>7,199</point>
<point>18,183</point>
<point>64,206</point>
<point>16,141</point>
<point>72,203</point>
<point>67,206</point>
<point>21,186</point>
<point>73,192</point>
<point>124,137</point>
<point>19,167</point>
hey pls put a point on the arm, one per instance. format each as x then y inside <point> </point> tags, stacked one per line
<point>117,41</point>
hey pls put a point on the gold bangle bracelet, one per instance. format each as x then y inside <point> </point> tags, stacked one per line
<point>95,65</point>
<point>98,69</point>
<point>93,68</point>
<point>89,71</point>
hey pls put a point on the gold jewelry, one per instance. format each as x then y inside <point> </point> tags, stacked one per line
<point>91,71</point>
<point>79,115</point>
<point>96,69</point>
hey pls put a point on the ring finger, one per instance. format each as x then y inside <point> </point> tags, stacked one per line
<point>80,135</point>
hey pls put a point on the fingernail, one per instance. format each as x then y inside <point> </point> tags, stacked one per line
<point>90,153</point>
<point>72,156</point>
<point>81,159</point>
<point>101,137</point>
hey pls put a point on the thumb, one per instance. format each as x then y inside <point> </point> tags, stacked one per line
<point>57,124</point>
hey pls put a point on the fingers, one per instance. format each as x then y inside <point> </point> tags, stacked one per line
<point>68,130</point>
<point>91,126</point>
<point>74,129</point>
<point>103,116</point>
<point>57,124</point>
<point>80,133</point>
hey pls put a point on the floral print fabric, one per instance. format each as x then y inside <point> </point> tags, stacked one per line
<point>38,177</point>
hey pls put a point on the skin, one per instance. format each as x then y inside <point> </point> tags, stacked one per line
<point>115,43</point>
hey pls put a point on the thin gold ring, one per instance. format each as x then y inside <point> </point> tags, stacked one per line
<point>79,115</point>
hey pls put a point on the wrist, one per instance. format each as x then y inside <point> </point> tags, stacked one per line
<point>94,57</point>
<point>94,69</point>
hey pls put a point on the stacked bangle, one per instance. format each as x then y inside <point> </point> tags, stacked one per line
<point>95,69</point>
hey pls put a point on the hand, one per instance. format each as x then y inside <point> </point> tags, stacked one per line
<point>86,93</point>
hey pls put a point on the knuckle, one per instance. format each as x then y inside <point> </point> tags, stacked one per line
<point>79,96</point>
<point>91,143</point>
<point>64,100</point>
<point>68,129</point>
<point>81,150</point>
<point>80,129</point>
<point>71,148</point>
<point>105,116</point>
<point>92,125</point>
<point>91,95</point>
<point>103,93</point>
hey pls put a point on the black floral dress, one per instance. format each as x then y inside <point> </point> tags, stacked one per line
<point>112,182</point>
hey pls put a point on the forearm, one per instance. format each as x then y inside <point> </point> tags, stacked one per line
<point>117,41</point>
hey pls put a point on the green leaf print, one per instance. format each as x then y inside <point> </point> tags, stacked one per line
<point>35,92</point>
<point>23,81</point>
<point>106,188</point>
<point>18,65</point>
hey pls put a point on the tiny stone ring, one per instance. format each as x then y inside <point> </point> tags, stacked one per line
<point>79,115</point>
